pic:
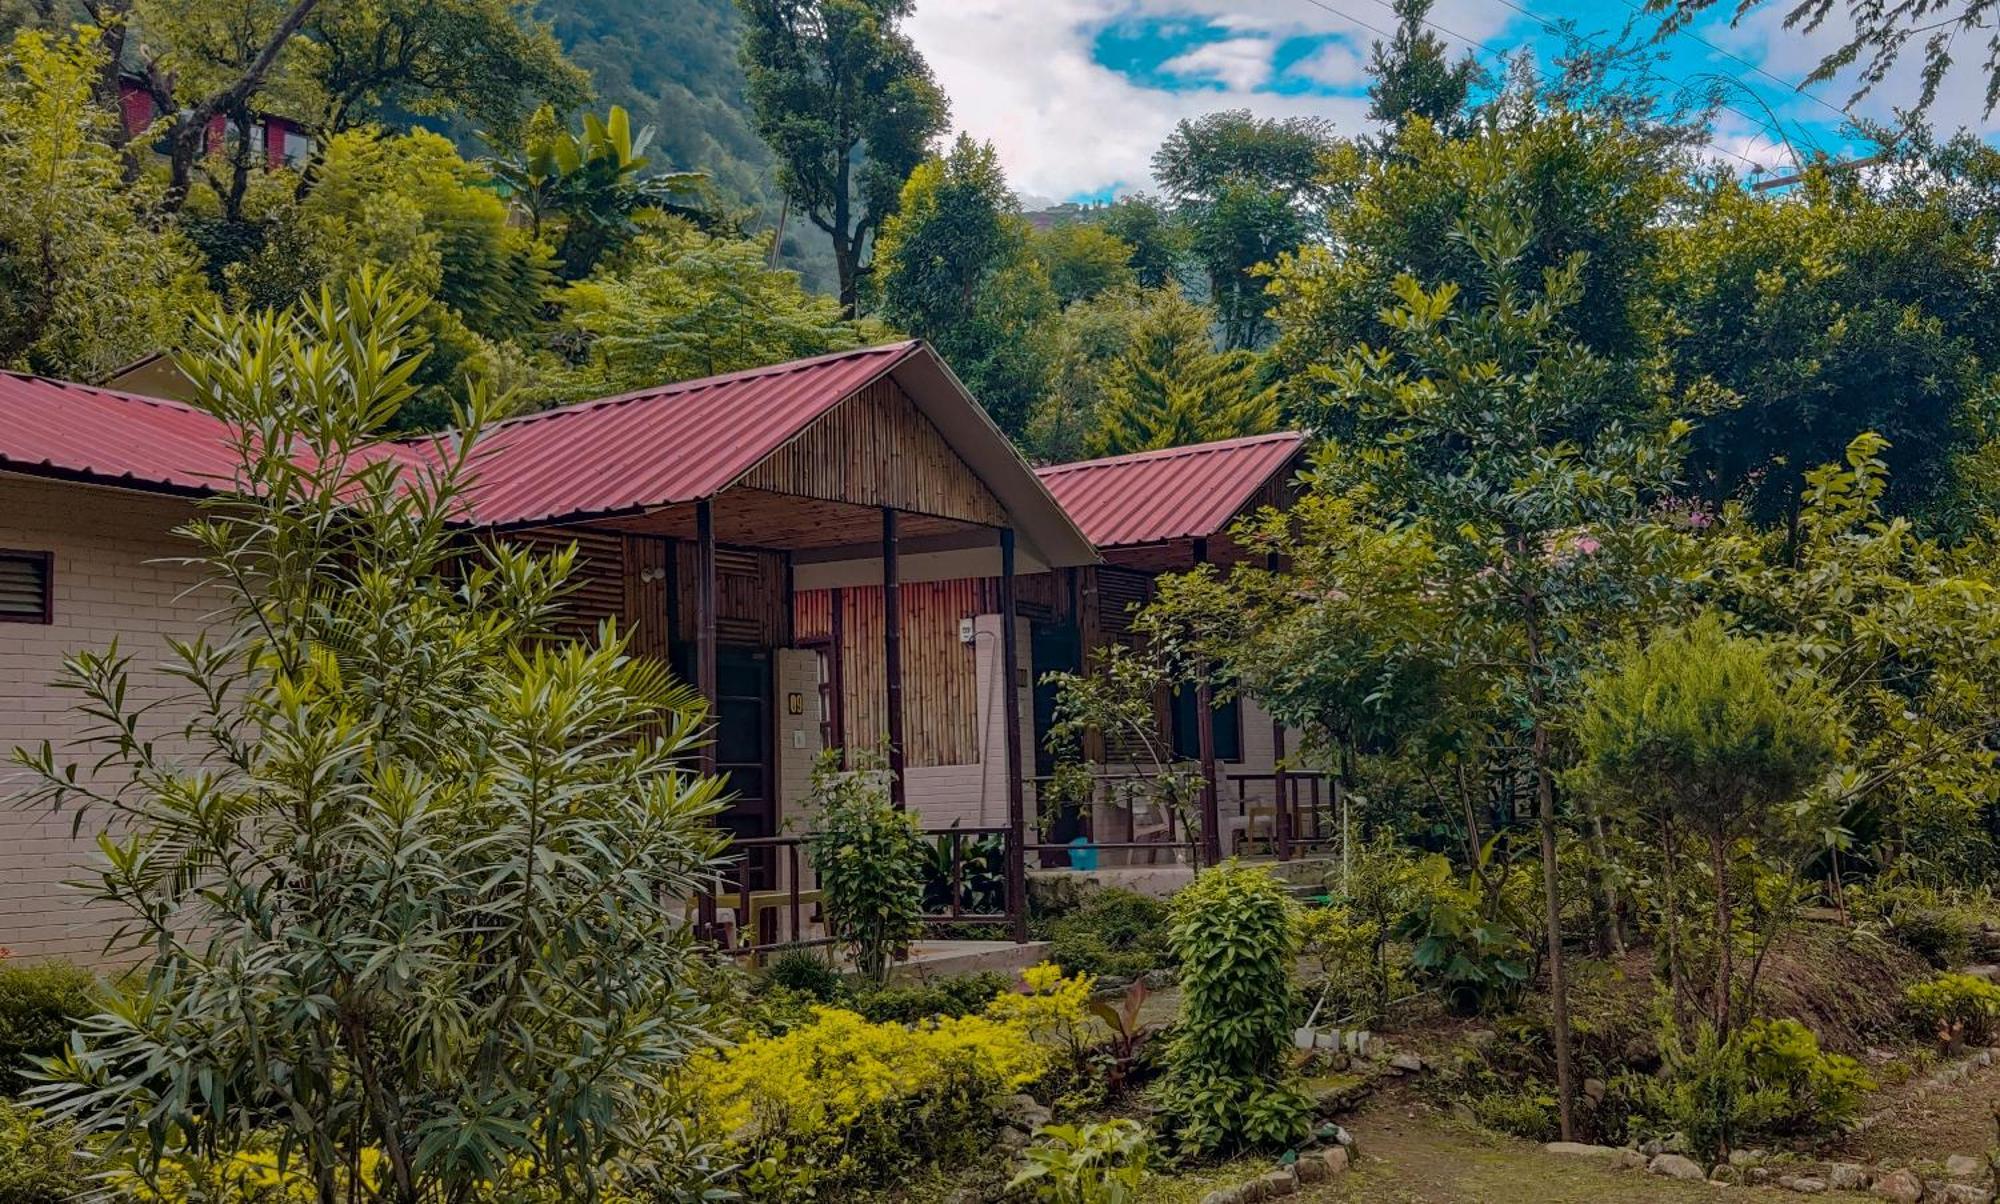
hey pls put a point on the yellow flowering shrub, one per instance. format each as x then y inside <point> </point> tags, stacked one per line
<point>846,1101</point>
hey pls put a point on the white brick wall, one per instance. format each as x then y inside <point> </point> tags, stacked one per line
<point>105,587</point>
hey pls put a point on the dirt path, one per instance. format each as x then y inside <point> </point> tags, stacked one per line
<point>1410,1155</point>
<point>1956,1119</point>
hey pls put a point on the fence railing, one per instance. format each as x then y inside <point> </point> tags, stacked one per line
<point>1281,813</point>
<point>769,900</point>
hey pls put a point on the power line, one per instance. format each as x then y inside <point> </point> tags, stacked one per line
<point>1504,56</point>
<point>1787,85</point>
<point>1768,126</point>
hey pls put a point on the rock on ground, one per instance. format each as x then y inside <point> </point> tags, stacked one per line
<point>1581,1149</point>
<point>1900,1187</point>
<point>1336,1160</point>
<point>1845,1176</point>
<point>1964,1166</point>
<point>1675,1166</point>
<point>1805,1185</point>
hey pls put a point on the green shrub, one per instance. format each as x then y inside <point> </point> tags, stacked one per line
<point>1939,935</point>
<point>1955,1008</point>
<point>1113,932</point>
<point>39,1163</point>
<point>907,1003</point>
<point>806,972</point>
<point>1093,1164</point>
<point>1478,965</point>
<point>37,1004</point>
<point>1770,1080</point>
<point>1227,1063</point>
<point>1529,1112</point>
<point>870,858</point>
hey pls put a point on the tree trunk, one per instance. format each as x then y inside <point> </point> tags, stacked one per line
<point>1610,941</point>
<point>1545,800</point>
<point>1552,898</point>
<point>1718,850</point>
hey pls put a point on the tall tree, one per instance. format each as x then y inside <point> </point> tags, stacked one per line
<point>490,61</point>
<point>1801,322</point>
<point>1250,189</point>
<point>1877,35</point>
<point>1083,260</point>
<point>207,61</point>
<point>679,304</point>
<point>955,268</point>
<point>1482,418</point>
<point>1171,387</point>
<point>1159,243</point>
<point>1413,75</point>
<point>849,108</point>
<point>90,278</point>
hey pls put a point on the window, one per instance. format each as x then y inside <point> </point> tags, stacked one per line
<point>26,587</point>
<point>1228,728</point>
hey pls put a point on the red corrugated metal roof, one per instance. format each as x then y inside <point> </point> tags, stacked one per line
<point>659,446</point>
<point>1179,493</point>
<point>102,434</point>
<point>654,447</point>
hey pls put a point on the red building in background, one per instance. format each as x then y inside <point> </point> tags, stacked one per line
<point>282,141</point>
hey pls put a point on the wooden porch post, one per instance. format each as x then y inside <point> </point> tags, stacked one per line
<point>1204,727</point>
<point>836,675</point>
<point>1010,692</point>
<point>704,622</point>
<point>1283,819</point>
<point>892,651</point>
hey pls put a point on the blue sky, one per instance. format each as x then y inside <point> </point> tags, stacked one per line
<point>1077,93</point>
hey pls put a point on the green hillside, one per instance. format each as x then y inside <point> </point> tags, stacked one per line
<point>672,64</point>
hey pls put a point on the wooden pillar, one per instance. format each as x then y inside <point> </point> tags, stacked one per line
<point>1283,818</point>
<point>1204,727</point>
<point>704,622</point>
<point>836,674</point>
<point>892,652</point>
<point>1010,693</point>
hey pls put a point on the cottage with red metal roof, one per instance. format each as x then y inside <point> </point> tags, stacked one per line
<point>742,527</point>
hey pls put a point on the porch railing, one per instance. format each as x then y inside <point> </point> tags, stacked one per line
<point>1283,812</point>
<point>743,917</point>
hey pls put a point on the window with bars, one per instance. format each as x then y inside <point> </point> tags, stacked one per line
<point>27,587</point>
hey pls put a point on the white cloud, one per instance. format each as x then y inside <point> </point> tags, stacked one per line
<point>1238,64</point>
<point>1022,76</point>
<point>1337,64</point>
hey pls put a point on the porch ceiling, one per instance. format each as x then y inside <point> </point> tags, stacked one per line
<point>834,543</point>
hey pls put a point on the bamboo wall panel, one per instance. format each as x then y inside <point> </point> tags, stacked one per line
<point>878,449</point>
<point>749,596</point>
<point>646,595</point>
<point>940,673</point>
<point>597,580</point>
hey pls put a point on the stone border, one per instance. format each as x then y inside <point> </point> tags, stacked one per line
<point>1313,1166</point>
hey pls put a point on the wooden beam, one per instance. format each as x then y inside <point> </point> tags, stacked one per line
<point>836,672</point>
<point>704,623</point>
<point>1204,727</point>
<point>1283,818</point>
<point>1010,692</point>
<point>892,652</point>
